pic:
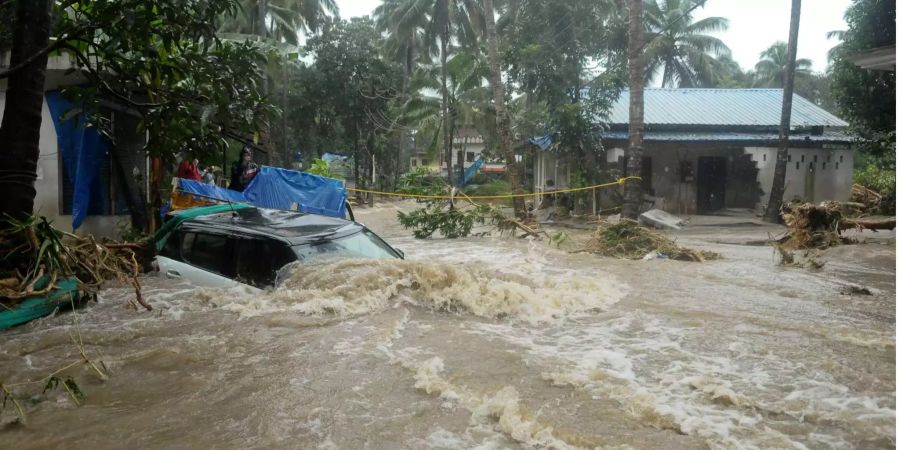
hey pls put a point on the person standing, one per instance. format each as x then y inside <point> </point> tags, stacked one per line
<point>242,171</point>
<point>188,170</point>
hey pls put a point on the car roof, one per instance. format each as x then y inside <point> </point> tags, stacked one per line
<point>293,227</point>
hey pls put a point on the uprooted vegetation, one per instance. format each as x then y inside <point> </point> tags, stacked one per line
<point>626,239</point>
<point>36,254</point>
<point>37,259</point>
<point>812,228</point>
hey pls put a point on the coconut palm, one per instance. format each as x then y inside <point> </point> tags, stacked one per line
<point>772,66</point>
<point>284,19</point>
<point>442,21</point>
<point>679,46</point>
<point>467,96</point>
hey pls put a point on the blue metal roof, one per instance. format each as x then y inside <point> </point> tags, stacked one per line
<point>837,137</point>
<point>726,107</point>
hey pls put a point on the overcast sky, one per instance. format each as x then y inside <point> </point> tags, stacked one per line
<point>754,25</point>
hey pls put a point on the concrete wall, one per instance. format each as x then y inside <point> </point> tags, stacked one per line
<point>813,175</point>
<point>48,200</point>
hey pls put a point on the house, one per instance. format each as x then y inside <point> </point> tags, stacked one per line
<point>709,149</point>
<point>120,181</point>
<point>468,146</point>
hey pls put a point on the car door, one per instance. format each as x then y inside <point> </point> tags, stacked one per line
<point>202,258</point>
<point>258,259</point>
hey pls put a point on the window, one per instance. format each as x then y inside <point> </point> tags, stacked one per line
<point>836,166</point>
<point>470,156</point>
<point>360,245</point>
<point>207,251</point>
<point>841,158</point>
<point>764,156</point>
<point>789,157</point>
<point>426,162</point>
<point>802,158</point>
<point>798,165</point>
<point>413,162</point>
<point>823,165</point>
<point>816,158</point>
<point>258,260</point>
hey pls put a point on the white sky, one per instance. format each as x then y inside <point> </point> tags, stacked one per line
<point>754,25</point>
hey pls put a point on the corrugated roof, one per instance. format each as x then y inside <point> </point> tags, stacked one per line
<point>735,107</point>
<point>836,137</point>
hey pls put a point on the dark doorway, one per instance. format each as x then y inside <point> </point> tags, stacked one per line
<point>647,176</point>
<point>711,181</point>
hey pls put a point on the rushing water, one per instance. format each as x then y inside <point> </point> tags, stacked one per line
<point>483,343</point>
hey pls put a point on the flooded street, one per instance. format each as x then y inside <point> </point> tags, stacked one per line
<point>486,343</point>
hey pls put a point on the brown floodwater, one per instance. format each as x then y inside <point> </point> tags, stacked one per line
<point>485,343</point>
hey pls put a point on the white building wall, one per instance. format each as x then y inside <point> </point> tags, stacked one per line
<point>813,175</point>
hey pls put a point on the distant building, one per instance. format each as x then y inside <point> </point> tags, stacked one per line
<point>468,146</point>
<point>708,149</point>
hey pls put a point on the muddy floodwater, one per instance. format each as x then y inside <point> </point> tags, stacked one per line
<point>485,343</point>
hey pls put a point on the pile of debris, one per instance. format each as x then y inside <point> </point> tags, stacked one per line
<point>626,239</point>
<point>36,254</point>
<point>819,226</point>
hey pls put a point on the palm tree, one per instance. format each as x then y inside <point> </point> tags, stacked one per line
<point>636,67</point>
<point>776,196</point>
<point>441,20</point>
<point>772,66</point>
<point>467,97</point>
<point>283,20</point>
<point>679,46</point>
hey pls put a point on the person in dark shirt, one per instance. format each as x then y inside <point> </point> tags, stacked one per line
<point>242,171</point>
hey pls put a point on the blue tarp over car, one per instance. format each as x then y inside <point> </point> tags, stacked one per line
<point>277,188</point>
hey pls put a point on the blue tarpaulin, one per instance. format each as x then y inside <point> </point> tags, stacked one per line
<point>543,142</point>
<point>209,191</point>
<point>287,189</point>
<point>470,172</point>
<point>83,152</point>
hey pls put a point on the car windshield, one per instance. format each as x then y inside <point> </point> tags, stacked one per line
<point>364,244</point>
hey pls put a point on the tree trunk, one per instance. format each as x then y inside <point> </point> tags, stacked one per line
<point>445,106</point>
<point>503,125</point>
<point>773,209</point>
<point>633,193</point>
<point>20,131</point>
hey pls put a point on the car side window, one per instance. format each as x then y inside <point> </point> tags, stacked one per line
<point>258,260</point>
<point>207,251</point>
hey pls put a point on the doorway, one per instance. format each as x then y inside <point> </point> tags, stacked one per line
<point>711,182</point>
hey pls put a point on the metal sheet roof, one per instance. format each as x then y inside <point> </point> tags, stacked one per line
<point>726,107</point>
<point>836,137</point>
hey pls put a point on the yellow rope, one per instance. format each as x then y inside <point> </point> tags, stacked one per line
<point>620,181</point>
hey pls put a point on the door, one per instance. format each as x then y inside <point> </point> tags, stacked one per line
<point>711,181</point>
<point>202,259</point>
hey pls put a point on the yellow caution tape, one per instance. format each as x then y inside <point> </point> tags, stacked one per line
<point>618,182</point>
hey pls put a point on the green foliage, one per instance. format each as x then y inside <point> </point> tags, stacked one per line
<point>162,60</point>
<point>496,187</point>
<point>322,169</point>
<point>682,51</point>
<point>421,182</point>
<point>879,179</point>
<point>451,223</point>
<point>865,98</point>
<point>553,47</point>
<point>342,102</point>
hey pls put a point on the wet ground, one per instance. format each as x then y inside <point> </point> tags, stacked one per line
<point>489,342</point>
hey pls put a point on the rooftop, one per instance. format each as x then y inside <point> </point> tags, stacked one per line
<point>722,107</point>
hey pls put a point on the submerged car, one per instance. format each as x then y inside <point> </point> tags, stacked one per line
<point>229,245</point>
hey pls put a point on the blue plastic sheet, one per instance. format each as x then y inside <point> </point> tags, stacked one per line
<point>470,172</point>
<point>83,151</point>
<point>210,192</point>
<point>543,142</point>
<point>292,190</point>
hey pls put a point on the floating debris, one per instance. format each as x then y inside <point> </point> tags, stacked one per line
<point>626,239</point>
